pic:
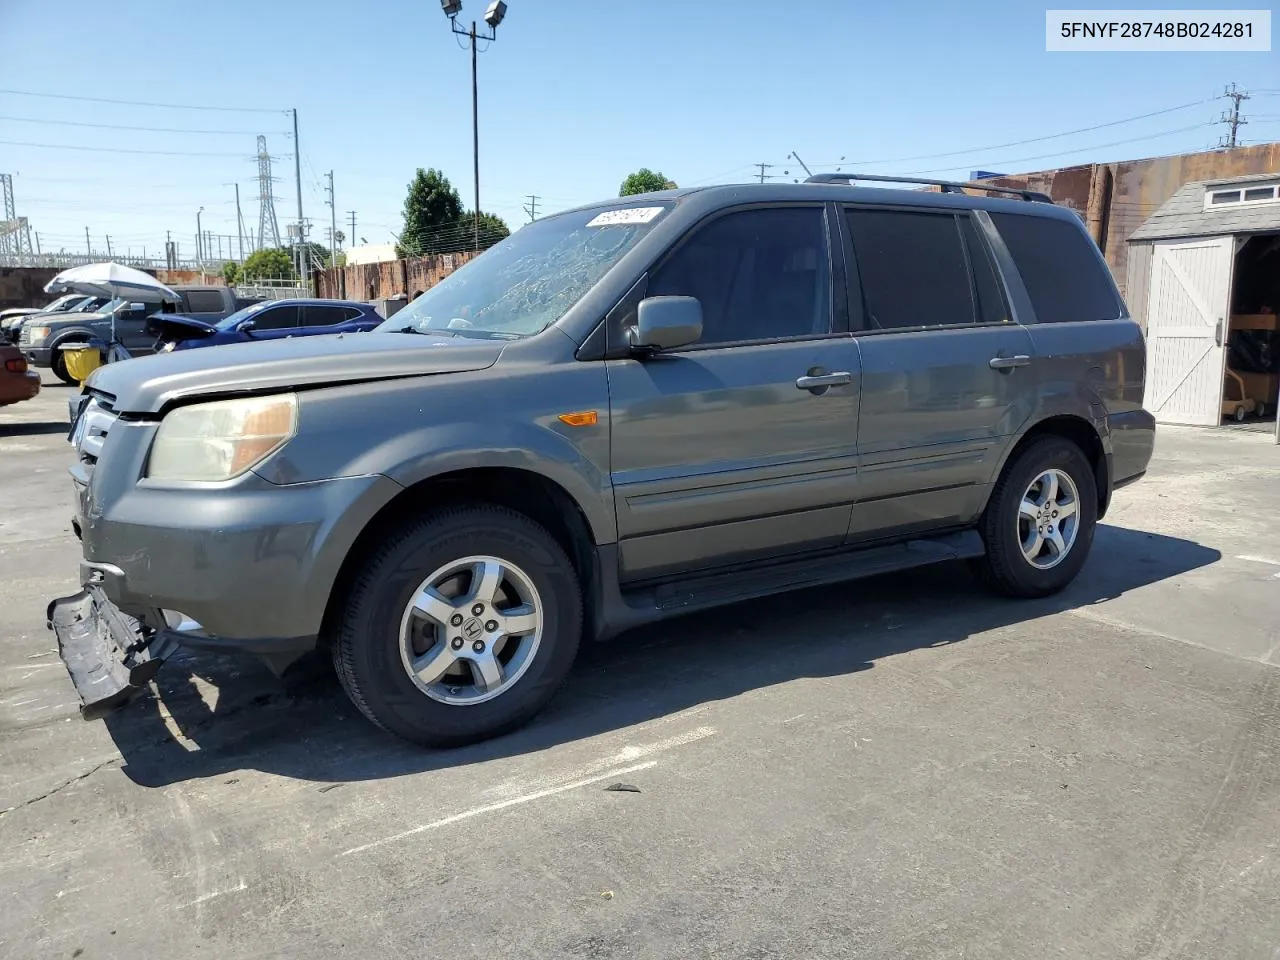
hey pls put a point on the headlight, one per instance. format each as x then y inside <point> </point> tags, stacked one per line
<point>37,333</point>
<point>221,440</point>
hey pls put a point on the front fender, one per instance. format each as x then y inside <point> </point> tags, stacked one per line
<point>416,429</point>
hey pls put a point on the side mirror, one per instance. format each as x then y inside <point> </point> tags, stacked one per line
<point>137,307</point>
<point>664,323</point>
<point>248,327</point>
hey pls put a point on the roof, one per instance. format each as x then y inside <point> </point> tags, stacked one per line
<point>711,197</point>
<point>1184,215</point>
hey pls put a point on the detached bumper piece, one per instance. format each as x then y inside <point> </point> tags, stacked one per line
<point>109,655</point>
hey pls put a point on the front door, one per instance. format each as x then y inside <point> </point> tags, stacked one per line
<point>723,451</point>
<point>947,377</point>
<point>131,328</point>
<point>1186,330</point>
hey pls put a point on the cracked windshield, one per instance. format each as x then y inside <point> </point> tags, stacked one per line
<point>528,281</point>
<point>639,481</point>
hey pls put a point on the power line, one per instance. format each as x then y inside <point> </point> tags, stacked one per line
<point>138,103</point>
<point>157,153</point>
<point>1060,153</point>
<point>1018,143</point>
<point>117,126</point>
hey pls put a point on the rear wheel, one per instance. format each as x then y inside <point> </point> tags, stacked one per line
<point>1039,524</point>
<point>461,627</point>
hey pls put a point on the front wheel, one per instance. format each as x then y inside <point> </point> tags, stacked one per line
<point>1038,526</point>
<point>460,627</point>
<point>59,366</point>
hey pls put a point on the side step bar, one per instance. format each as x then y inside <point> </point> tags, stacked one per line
<point>723,588</point>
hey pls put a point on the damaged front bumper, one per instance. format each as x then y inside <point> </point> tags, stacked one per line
<point>110,656</point>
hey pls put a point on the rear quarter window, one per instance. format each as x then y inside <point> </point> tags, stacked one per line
<point>203,301</point>
<point>1060,268</point>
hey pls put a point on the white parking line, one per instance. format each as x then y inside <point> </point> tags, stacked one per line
<point>216,893</point>
<point>490,808</point>
<point>1267,560</point>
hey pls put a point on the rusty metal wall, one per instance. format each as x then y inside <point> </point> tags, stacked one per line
<point>377,281</point>
<point>1138,187</point>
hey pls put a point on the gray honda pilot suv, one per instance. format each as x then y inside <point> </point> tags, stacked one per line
<point>621,413</point>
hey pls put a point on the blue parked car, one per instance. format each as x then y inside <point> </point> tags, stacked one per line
<point>267,320</point>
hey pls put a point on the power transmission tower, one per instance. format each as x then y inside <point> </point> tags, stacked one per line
<point>333,225</point>
<point>1233,119</point>
<point>268,226</point>
<point>15,231</point>
<point>531,208</point>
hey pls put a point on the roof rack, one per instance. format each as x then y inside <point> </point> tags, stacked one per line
<point>948,186</point>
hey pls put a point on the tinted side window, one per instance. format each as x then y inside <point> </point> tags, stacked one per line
<point>275,318</point>
<point>1059,267</point>
<point>760,275</point>
<point>986,285</point>
<point>912,267</point>
<point>326,316</point>
<point>203,301</point>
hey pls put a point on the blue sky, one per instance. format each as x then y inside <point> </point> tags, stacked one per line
<point>574,95</point>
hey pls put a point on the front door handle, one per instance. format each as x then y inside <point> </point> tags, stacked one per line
<point>824,380</point>
<point>1008,363</point>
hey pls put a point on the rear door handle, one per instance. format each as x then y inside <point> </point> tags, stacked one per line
<point>824,380</point>
<point>1008,363</point>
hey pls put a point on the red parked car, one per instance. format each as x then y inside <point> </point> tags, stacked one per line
<point>17,382</point>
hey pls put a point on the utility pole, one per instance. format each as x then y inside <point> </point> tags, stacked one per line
<point>795,156</point>
<point>763,167</point>
<point>37,243</point>
<point>1233,119</point>
<point>302,227</point>
<point>88,244</point>
<point>239,222</point>
<point>108,246</point>
<point>352,215</point>
<point>199,240</point>
<point>531,208</point>
<point>333,226</point>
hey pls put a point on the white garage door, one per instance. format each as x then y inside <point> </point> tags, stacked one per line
<point>1186,329</point>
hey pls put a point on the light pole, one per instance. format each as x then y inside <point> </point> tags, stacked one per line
<point>493,16</point>
<point>199,240</point>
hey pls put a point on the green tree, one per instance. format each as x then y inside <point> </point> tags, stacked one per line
<point>272,262</point>
<point>231,272</point>
<point>645,180</point>
<point>431,212</point>
<point>492,227</point>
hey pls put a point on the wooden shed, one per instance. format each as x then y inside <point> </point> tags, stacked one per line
<point>1204,280</point>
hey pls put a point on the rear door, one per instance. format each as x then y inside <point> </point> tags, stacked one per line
<point>725,451</point>
<point>947,375</point>
<point>1186,330</point>
<point>329,318</point>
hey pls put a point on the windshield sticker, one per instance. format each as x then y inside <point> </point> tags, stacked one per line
<point>612,218</point>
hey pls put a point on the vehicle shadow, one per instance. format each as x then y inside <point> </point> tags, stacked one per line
<point>304,727</point>
<point>34,429</point>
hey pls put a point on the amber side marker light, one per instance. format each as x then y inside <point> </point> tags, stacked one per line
<point>583,418</point>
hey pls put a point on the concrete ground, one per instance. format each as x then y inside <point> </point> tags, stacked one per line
<point>899,768</point>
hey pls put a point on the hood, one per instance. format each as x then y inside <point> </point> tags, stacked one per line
<point>176,326</point>
<point>7,315</point>
<point>147,385</point>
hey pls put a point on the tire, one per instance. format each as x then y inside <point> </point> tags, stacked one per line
<point>1239,415</point>
<point>1006,530</point>
<point>59,366</point>
<point>378,636</point>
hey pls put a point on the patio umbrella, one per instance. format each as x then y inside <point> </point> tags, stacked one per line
<point>111,280</point>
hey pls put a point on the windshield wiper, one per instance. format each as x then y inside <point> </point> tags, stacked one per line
<point>426,333</point>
